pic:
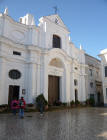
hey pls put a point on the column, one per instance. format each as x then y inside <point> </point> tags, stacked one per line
<point>44,78</point>
<point>32,83</point>
<point>38,80</point>
<point>68,85</point>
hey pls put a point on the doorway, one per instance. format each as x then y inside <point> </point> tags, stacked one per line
<point>53,89</point>
<point>76,95</point>
<point>98,98</point>
<point>13,93</point>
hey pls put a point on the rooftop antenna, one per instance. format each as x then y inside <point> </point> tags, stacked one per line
<point>56,9</point>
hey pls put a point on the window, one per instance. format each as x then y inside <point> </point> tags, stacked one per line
<point>14,74</point>
<point>76,68</point>
<point>97,73</point>
<point>91,96</point>
<point>16,53</point>
<point>56,41</point>
<point>75,82</point>
<point>90,72</point>
<point>91,84</point>
<point>106,93</point>
<point>105,71</point>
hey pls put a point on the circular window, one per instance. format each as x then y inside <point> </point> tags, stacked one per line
<point>14,74</point>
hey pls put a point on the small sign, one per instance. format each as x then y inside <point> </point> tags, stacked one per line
<point>23,91</point>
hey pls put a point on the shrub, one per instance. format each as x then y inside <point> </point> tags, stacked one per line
<point>77,102</point>
<point>72,103</point>
<point>87,102</point>
<point>64,104</point>
<point>92,101</point>
<point>40,99</point>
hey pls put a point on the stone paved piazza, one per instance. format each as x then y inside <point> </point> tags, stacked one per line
<point>74,124</point>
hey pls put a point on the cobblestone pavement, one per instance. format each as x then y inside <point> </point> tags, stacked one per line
<point>74,124</point>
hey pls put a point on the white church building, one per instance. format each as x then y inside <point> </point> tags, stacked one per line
<point>40,59</point>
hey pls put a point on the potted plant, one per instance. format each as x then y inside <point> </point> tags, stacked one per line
<point>87,102</point>
<point>92,101</point>
<point>77,103</point>
<point>72,103</point>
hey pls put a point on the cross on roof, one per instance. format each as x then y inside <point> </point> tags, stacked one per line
<point>56,9</point>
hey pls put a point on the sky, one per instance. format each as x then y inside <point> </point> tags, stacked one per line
<point>85,19</point>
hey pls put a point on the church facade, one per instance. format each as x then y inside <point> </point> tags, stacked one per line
<point>40,59</point>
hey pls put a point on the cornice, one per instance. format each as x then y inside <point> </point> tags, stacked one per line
<point>18,60</point>
<point>23,47</point>
<point>92,57</point>
<point>12,59</point>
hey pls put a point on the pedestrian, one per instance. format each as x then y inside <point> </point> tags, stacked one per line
<point>41,105</point>
<point>14,106</point>
<point>22,105</point>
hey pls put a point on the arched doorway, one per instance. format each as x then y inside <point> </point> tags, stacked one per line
<point>54,80</point>
<point>76,95</point>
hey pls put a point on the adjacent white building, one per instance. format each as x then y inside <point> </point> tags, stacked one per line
<point>93,79</point>
<point>103,56</point>
<point>40,59</point>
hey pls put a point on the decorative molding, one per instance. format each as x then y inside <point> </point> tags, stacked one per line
<point>17,35</point>
<point>55,71</point>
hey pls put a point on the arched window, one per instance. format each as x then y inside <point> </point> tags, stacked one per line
<point>75,82</point>
<point>56,41</point>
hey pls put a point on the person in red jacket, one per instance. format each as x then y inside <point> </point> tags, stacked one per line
<point>14,106</point>
<point>22,105</point>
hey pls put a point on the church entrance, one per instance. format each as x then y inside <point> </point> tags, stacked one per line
<point>76,95</point>
<point>53,89</point>
<point>13,93</point>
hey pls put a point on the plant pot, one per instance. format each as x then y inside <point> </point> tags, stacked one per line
<point>46,107</point>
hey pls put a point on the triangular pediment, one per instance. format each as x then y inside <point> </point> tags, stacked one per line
<point>57,20</point>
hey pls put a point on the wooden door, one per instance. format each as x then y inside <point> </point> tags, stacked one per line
<point>53,89</point>
<point>10,95</point>
<point>16,92</point>
<point>98,98</point>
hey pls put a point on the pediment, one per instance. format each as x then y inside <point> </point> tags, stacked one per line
<point>57,20</point>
